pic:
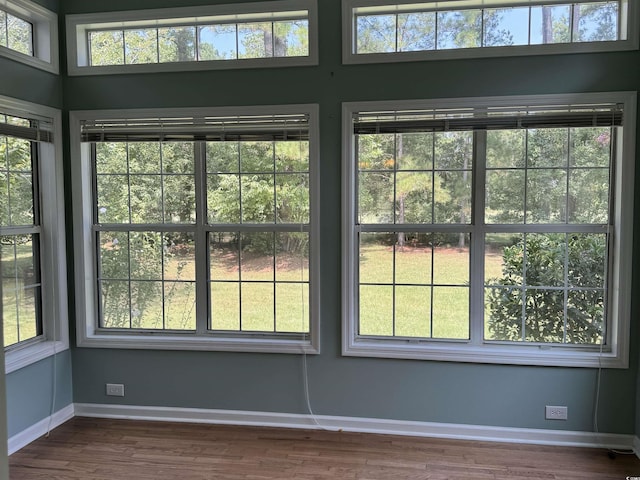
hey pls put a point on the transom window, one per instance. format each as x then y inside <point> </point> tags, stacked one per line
<point>203,227</point>
<point>487,226</point>
<point>16,33</point>
<point>223,36</point>
<point>413,31</point>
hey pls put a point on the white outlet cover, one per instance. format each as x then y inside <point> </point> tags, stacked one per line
<point>556,412</point>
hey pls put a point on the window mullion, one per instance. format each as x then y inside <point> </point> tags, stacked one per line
<point>201,239</point>
<point>476,274</point>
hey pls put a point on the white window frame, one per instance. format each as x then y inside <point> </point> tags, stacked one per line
<point>629,41</point>
<point>78,26</point>
<point>45,35</point>
<point>55,337</point>
<point>476,350</point>
<point>88,335</point>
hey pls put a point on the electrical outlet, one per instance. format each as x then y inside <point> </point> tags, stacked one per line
<point>115,389</point>
<point>555,413</point>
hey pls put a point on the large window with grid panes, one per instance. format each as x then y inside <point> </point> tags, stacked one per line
<point>202,229</point>
<point>489,229</point>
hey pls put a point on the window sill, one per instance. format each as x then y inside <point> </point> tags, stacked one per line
<point>179,342</point>
<point>557,356</point>
<point>29,354</point>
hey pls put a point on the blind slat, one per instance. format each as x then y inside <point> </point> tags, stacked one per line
<point>27,133</point>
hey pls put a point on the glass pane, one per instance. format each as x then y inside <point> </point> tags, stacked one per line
<point>146,305</point>
<point>115,304</point>
<point>4,198</point>
<point>547,147</point>
<point>589,196</point>
<point>255,40</point>
<point>550,24</point>
<point>544,315</point>
<point>257,306</point>
<point>413,197</point>
<point>225,306</point>
<point>111,157</point>
<point>292,307</point>
<point>503,259</point>
<point>177,157</point>
<point>292,156</point>
<point>107,48</point>
<point>416,31</point>
<point>179,200</point>
<point>585,317</point>
<point>21,199</point>
<point>453,150</point>
<point>223,256</point>
<point>503,314</point>
<point>451,312</point>
<point>145,255</point>
<point>113,196</point>
<point>177,44</point>
<point>20,35</point>
<point>545,257</point>
<point>141,46</point>
<point>413,258</point>
<point>179,256</point>
<point>453,197</point>
<point>506,26</point>
<point>376,33</point>
<point>596,22</point>
<point>19,154</point>
<point>376,258</point>
<point>292,38</point>
<point>376,152</point>
<point>217,42</point>
<point>292,257</point>
<point>256,257</point>
<point>506,148</point>
<point>587,260</point>
<point>590,147</point>
<point>223,198</point>
<point>414,151</point>
<point>223,157</point>
<point>3,30</point>
<point>146,198</point>
<point>546,200</point>
<point>451,261</point>
<point>180,305</point>
<point>459,29</point>
<point>144,157</point>
<point>292,198</point>
<point>504,196</point>
<point>375,197</point>
<point>257,195</point>
<point>256,157</point>
<point>114,255</point>
<point>413,312</point>
<point>376,310</point>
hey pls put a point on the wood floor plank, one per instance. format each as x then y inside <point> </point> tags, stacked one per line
<point>104,449</point>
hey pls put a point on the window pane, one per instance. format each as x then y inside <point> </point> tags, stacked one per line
<point>413,258</point>
<point>292,156</point>
<point>223,157</point>
<point>589,196</point>
<point>179,198</point>
<point>217,42</point>
<point>376,33</point>
<point>414,151</point>
<point>544,315</point>
<point>585,317</point>
<point>550,24</point>
<point>451,312</point>
<point>505,196</point>
<point>547,147</point>
<point>546,200</point>
<point>178,258</point>
<point>292,257</point>
<point>224,258</point>
<point>505,26</point>
<point>413,197</point>
<point>177,44</point>
<point>20,35</point>
<point>451,260</point>
<point>590,147</point>
<point>225,306</point>
<point>223,198</point>
<point>107,48</point>
<point>256,157</point>
<point>413,312</point>
<point>375,197</point>
<point>115,304</point>
<point>145,255</point>
<point>4,198</point>
<point>453,197</point>
<point>256,256</point>
<point>416,31</point>
<point>113,198</point>
<point>255,40</point>
<point>114,255</point>
<point>596,22</point>
<point>587,260</point>
<point>257,306</point>
<point>18,154</point>
<point>376,258</point>
<point>146,198</point>
<point>180,305</point>
<point>111,157</point>
<point>376,310</point>
<point>21,199</point>
<point>461,29</point>
<point>144,157</point>
<point>292,307</point>
<point>257,197</point>
<point>141,46</point>
<point>292,38</point>
<point>506,148</point>
<point>503,313</point>
<point>545,256</point>
<point>147,305</point>
<point>3,28</point>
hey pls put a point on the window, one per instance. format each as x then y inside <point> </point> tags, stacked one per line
<point>200,229</point>
<point>29,34</point>
<point>382,32</point>
<point>266,34</point>
<point>489,230</point>
<point>31,234</point>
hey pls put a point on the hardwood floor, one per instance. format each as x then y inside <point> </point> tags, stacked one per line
<point>100,449</point>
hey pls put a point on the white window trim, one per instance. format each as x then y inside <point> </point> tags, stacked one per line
<point>45,35</point>
<point>77,26</point>
<point>86,300</point>
<point>55,338</point>
<point>631,42</point>
<point>614,356</point>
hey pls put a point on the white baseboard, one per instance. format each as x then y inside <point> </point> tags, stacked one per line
<point>356,424</point>
<point>35,431</point>
<point>636,446</point>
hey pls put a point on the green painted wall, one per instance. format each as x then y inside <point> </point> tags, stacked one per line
<point>512,396</point>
